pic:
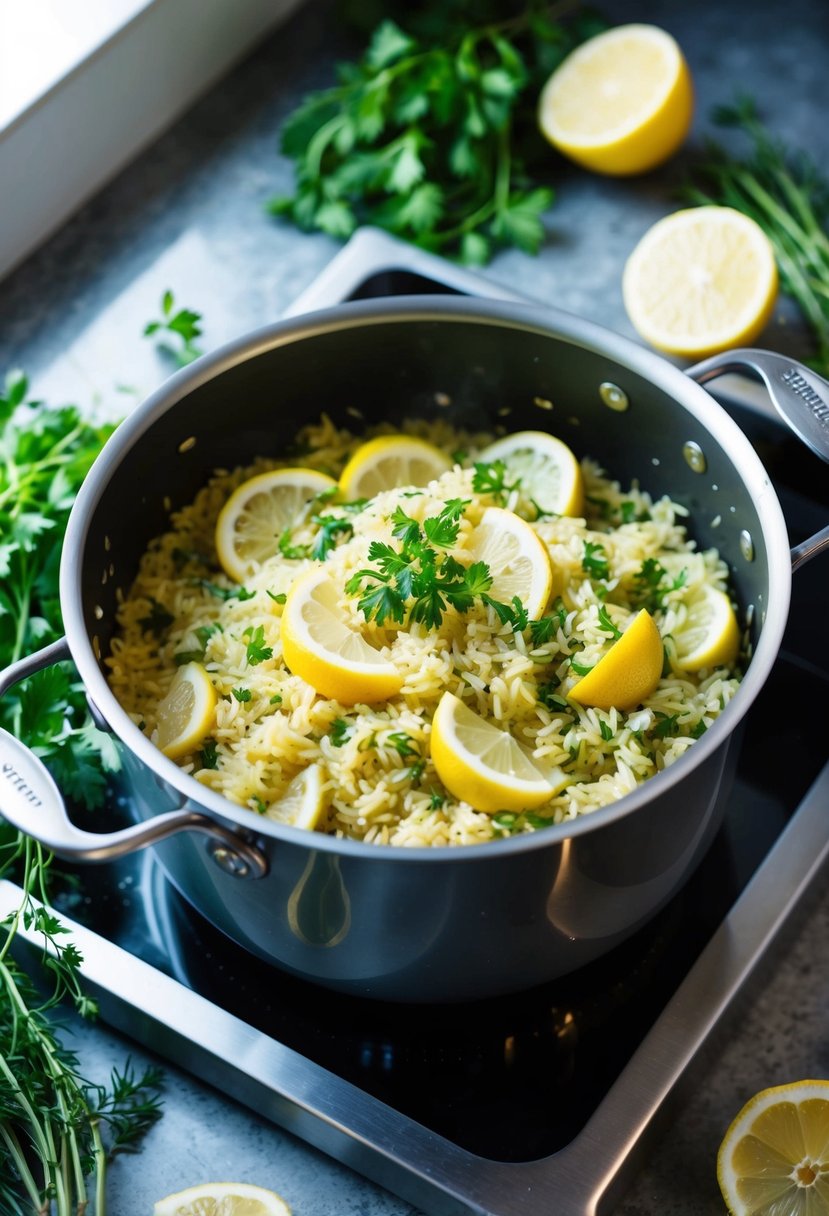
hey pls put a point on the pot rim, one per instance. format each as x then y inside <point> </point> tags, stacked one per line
<point>545,321</point>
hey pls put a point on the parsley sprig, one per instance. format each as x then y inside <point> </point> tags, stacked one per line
<point>417,581</point>
<point>430,135</point>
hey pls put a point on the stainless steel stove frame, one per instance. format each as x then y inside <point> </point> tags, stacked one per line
<point>585,1178</point>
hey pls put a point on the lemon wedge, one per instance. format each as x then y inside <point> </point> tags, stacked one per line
<point>774,1159</point>
<point>700,281</point>
<point>547,471</point>
<point>302,803</point>
<point>258,512</point>
<point>320,647</point>
<point>517,558</point>
<point>391,461</point>
<point>628,673</point>
<point>222,1199</point>
<point>621,103</point>
<point>186,713</point>
<point>709,635</point>
<point>483,765</point>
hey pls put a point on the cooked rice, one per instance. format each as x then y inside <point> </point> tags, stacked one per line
<point>373,792</point>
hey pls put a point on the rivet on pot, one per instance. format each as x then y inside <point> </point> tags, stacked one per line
<point>613,397</point>
<point>747,545</point>
<point>694,456</point>
<point>228,861</point>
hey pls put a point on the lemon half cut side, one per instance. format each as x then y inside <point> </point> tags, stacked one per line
<point>621,103</point>
<point>222,1199</point>
<point>701,280</point>
<point>774,1158</point>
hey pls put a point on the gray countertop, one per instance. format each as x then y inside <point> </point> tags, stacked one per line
<point>188,215</point>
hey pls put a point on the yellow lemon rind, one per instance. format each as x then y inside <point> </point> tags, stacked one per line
<point>628,673</point>
<point>371,453</point>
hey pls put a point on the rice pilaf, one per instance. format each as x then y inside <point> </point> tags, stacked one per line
<point>379,782</point>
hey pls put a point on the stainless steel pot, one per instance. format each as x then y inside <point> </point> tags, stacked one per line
<point>420,924</point>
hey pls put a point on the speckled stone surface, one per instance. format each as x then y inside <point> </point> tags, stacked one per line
<point>188,215</point>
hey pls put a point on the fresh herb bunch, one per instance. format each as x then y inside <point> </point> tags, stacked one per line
<point>787,196</point>
<point>432,135</point>
<point>51,1119</point>
<point>56,1128</point>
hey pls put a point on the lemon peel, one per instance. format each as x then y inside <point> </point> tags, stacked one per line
<point>222,1199</point>
<point>628,673</point>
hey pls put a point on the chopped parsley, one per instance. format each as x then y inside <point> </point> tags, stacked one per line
<point>490,477</point>
<point>340,732</point>
<point>209,754</point>
<point>242,695</point>
<point>594,560</point>
<point>256,651</point>
<point>330,526</point>
<point>653,584</point>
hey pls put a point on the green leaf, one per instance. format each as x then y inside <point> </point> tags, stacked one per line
<point>520,222</point>
<point>388,45</point>
<point>476,250</point>
<point>336,219</point>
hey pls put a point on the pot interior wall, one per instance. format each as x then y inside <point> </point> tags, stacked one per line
<point>477,374</point>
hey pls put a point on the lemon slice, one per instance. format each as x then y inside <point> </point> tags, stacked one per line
<point>391,461</point>
<point>302,803</point>
<point>701,281</point>
<point>483,765</point>
<point>258,512</point>
<point>222,1199</point>
<point>517,558</point>
<point>548,471</point>
<point>710,635</point>
<point>186,713</point>
<point>320,647</point>
<point>774,1159</point>
<point>628,673</point>
<point>620,103</point>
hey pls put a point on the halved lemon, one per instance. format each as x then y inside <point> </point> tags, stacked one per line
<point>391,461</point>
<point>774,1158</point>
<point>483,765</point>
<point>324,651</point>
<point>547,471</point>
<point>186,713</point>
<point>620,103</point>
<point>222,1199</point>
<point>628,673</point>
<point>700,281</point>
<point>517,558</point>
<point>302,803</point>
<point>258,512</point>
<point>710,635</point>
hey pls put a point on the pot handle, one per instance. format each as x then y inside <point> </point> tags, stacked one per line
<point>31,802</point>
<point>801,398</point>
